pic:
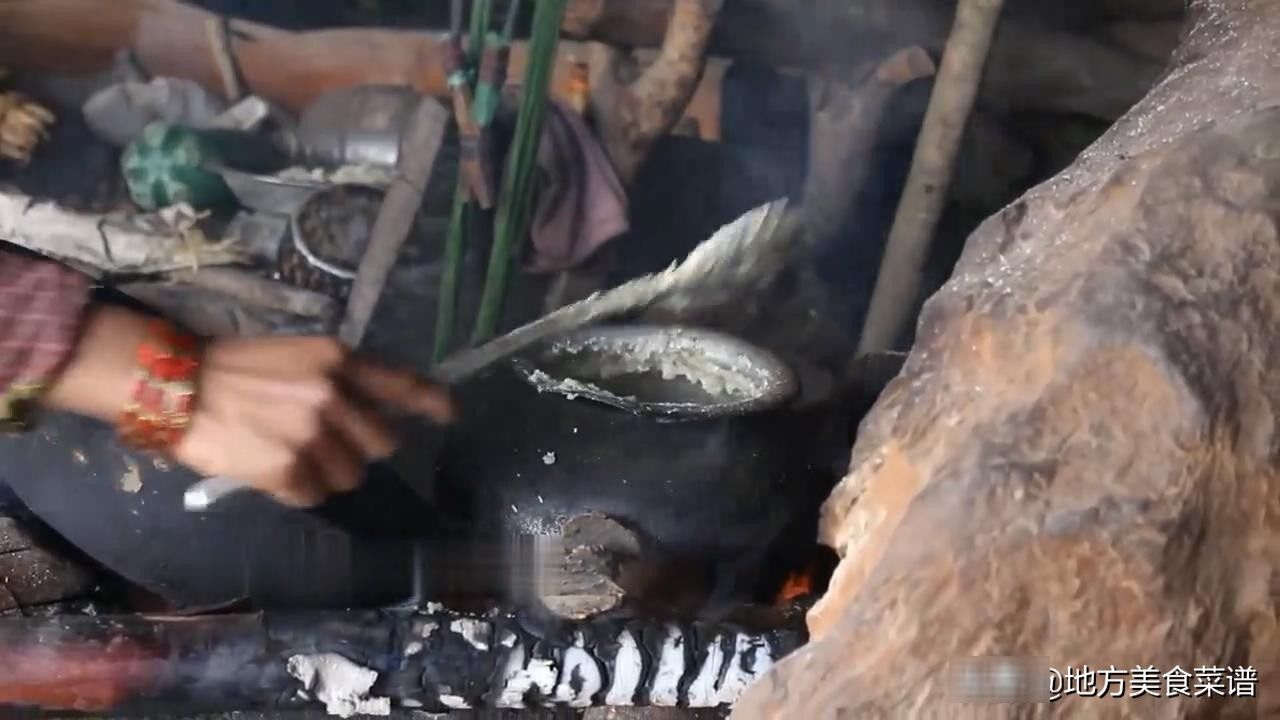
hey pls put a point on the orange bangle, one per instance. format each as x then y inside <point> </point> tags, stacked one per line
<point>163,396</point>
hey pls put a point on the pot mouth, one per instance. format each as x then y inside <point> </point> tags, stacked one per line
<point>671,371</point>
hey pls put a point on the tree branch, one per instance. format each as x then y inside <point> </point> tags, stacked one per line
<point>631,117</point>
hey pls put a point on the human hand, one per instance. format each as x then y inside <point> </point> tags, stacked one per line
<point>298,417</point>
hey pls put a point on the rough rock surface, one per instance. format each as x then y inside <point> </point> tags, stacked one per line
<point>1078,460</point>
<point>33,575</point>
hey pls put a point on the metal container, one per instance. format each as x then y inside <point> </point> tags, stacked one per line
<point>678,432</point>
<point>328,234</point>
<point>357,126</point>
<point>269,193</point>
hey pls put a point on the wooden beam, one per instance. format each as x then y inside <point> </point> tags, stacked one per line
<point>291,69</point>
<point>1032,67</point>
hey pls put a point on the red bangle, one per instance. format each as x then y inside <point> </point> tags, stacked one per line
<point>163,396</point>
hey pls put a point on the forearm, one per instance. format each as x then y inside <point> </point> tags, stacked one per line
<point>56,347</point>
<point>95,380</point>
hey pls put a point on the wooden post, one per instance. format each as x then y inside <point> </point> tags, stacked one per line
<point>923,197</point>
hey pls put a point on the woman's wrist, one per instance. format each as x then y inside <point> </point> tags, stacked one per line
<point>97,380</point>
<point>163,389</point>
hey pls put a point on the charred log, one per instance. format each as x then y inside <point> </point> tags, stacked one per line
<point>369,662</point>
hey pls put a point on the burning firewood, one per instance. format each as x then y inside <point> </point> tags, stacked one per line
<point>369,662</point>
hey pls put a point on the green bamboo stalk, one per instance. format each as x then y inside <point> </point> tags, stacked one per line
<point>454,249</point>
<point>521,165</point>
<point>489,95</point>
<point>481,14</point>
<point>462,211</point>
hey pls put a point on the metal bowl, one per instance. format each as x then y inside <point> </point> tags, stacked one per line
<point>328,234</point>
<point>268,193</point>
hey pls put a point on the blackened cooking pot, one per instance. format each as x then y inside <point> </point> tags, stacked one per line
<point>678,432</point>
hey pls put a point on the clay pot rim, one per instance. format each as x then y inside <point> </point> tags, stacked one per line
<point>775,381</point>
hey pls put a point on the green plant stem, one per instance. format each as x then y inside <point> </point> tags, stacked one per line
<point>481,13</point>
<point>454,249</point>
<point>516,190</point>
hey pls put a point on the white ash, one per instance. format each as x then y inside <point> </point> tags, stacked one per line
<point>543,673</point>
<point>541,676</point>
<point>424,628</point>
<point>476,632</point>
<point>342,685</point>
<point>702,691</point>
<point>665,691</point>
<point>131,480</point>
<point>516,681</point>
<point>580,663</point>
<point>455,702</point>
<point>628,669</point>
<point>751,658</point>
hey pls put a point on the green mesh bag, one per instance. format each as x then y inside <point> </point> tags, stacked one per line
<point>170,164</point>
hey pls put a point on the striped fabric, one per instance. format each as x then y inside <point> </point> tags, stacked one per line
<point>41,303</point>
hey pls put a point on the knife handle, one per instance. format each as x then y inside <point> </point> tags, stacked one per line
<point>204,493</point>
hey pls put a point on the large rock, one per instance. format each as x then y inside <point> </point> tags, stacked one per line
<point>1079,460</point>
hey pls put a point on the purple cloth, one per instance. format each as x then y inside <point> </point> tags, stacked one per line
<point>581,204</point>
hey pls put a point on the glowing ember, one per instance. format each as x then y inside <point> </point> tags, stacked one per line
<point>798,584</point>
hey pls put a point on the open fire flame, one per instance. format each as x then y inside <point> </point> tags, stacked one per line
<point>808,580</point>
<point>797,585</point>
